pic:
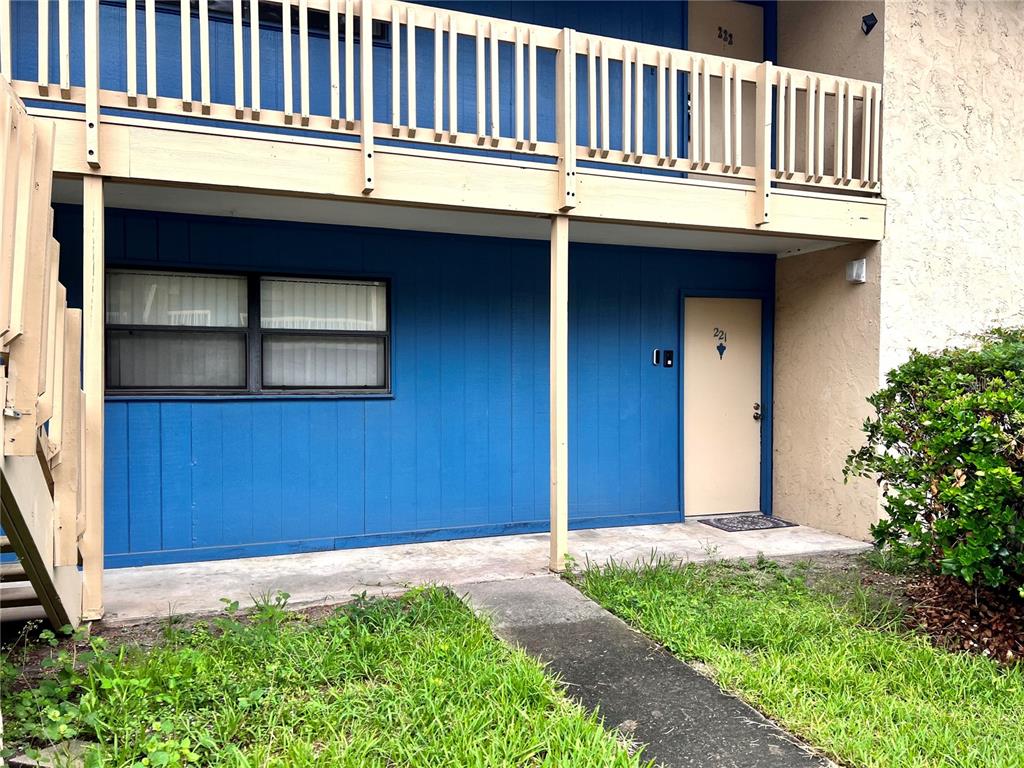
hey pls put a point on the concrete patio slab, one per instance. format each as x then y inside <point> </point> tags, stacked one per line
<point>683,718</point>
<point>134,594</point>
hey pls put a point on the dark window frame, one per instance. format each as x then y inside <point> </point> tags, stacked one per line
<point>252,334</point>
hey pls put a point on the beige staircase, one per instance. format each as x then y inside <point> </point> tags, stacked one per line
<point>41,509</point>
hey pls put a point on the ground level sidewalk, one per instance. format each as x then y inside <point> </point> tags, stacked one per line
<point>134,594</point>
<point>654,698</point>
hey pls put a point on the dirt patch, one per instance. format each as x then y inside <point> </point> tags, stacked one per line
<point>960,617</point>
<point>23,648</point>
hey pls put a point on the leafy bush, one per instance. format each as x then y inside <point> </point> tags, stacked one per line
<point>947,447</point>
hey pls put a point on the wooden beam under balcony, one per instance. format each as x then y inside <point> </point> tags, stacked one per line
<point>191,156</point>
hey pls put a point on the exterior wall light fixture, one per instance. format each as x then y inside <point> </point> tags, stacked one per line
<point>857,271</point>
<point>867,23</point>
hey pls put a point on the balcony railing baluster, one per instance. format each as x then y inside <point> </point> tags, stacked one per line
<point>707,124</point>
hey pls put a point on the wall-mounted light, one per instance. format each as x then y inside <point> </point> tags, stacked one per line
<point>867,23</point>
<point>857,271</point>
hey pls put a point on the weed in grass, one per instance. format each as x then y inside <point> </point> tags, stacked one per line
<point>889,560</point>
<point>416,681</point>
<point>831,668</point>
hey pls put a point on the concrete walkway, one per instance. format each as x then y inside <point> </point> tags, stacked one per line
<point>654,698</point>
<point>134,594</point>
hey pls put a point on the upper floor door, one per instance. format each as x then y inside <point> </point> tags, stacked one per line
<point>733,30</point>
<point>726,28</point>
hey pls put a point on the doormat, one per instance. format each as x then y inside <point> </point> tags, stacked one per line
<point>737,523</point>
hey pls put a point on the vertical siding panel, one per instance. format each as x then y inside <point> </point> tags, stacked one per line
<point>576,343</point>
<point>402,409</point>
<point>208,474</point>
<point>541,387</point>
<point>499,389</point>
<point>669,303</point>
<point>268,509</point>
<point>176,475</point>
<point>524,287</point>
<point>295,469</point>
<point>478,293</point>
<point>378,467</point>
<point>238,457</point>
<point>631,358</point>
<point>351,482</point>
<point>144,476</point>
<point>428,390</point>
<point>608,318</point>
<point>115,479</point>
<point>585,369</point>
<point>650,377</point>
<point>140,237</point>
<point>323,468</point>
<point>453,390</point>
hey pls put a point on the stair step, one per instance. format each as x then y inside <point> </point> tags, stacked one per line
<point>5,545</point>
<point>12,572</point>
<point>17,597</point>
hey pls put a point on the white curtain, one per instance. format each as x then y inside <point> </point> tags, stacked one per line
<point>167,298</point>
<point>322,361</point>
<point>323,305</point>
<point>146,359</point>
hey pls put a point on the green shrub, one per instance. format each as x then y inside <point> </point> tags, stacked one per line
<point>947,447</point>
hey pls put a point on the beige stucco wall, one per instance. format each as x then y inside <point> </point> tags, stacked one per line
<point>826,364</point>
<point>952,261</point>
<point>826,330</point>
<point>953,157</point>
<point>825,36</point>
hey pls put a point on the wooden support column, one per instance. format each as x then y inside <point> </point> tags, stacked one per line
<point>366,91</point>
<point>93,384</point>
<point>763,144</point>
<point>565,110</point>
<point>92,83</point>
<point>559,390</point>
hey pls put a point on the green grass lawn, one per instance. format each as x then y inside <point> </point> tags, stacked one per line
<point>836,670</point>
<point>418,681</point>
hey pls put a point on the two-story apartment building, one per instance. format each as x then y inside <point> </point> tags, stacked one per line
<point>358,272</point>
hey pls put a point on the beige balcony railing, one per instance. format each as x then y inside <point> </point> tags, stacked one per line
<point>537,93</point>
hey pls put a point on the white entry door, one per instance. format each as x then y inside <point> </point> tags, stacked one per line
<point>721,405</point>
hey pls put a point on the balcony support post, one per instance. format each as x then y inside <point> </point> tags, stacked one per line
<point>559,392</point>
<point>565,115</point>
<point>93,367</point>
<point>366,91</point>
<point>763,145</point>
<point>92,83</point>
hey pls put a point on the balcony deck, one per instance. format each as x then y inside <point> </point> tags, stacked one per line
<point>548,121</point>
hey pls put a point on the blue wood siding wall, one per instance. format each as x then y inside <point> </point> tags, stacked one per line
<point>461,448</point>
<point>660,23</point>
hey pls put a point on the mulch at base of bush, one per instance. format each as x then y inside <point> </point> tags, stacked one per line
<point>965,618</point>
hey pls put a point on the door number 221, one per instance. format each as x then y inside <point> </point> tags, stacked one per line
<point>721,335</point>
